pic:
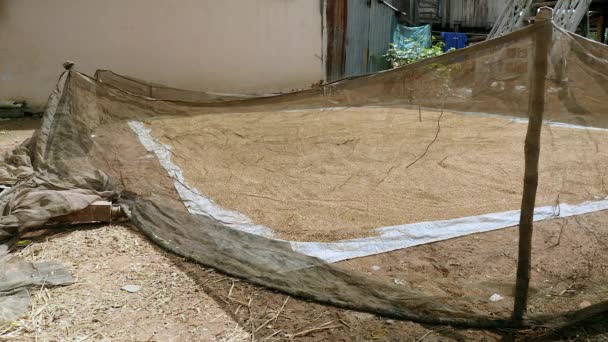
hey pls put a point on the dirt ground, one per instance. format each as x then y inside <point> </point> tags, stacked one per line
<point>570,269</point>
<point>328,175</point>
<point>13,132</point>
<point>169,307</point>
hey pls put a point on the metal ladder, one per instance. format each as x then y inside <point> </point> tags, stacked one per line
<point>511,18</point>
<point>567,14</point>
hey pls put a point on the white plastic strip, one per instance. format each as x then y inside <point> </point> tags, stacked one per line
<point>409,235</point>
<point>388,238</point>
<point>525,121</point>
<point>194,201</point>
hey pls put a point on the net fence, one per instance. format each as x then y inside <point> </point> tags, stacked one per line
<point>275,189</point>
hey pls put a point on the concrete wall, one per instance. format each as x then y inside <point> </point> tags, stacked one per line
<point>251,46</point>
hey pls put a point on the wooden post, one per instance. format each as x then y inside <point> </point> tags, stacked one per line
<point>600,29</point>
<point>99,211</point>
<point>536,106</point>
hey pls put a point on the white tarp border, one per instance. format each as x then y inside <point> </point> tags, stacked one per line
<point>388,239</point>
<point>195,202</point>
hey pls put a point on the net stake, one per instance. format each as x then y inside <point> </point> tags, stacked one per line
<point>536,106</point>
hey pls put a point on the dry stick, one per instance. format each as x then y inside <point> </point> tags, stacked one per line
<point>536,106</point>
<point>432,142</point>
<point>217,281</point>
<point>320,327</point>
<point>252,328</point>
<point>344,323</point>
<point>239,302</point>
<point>231,288</point>
<point>189,307</point>
<point>561,231</point>
<point>273,317</point>
<point>428,333</point>
<point>424,336</point>
<point>271,335</point>
<point>251,320</point>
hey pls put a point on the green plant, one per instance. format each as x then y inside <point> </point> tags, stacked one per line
<point>411,52</point>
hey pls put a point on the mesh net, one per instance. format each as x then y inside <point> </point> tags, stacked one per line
<point>272,189</point>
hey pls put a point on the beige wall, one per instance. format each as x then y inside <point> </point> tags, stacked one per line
<point>213,45</point>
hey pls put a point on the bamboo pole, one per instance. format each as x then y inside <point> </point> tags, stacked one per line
<point>536,106</point>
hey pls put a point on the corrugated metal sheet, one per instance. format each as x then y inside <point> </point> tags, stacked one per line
<point>357,37</point>
<point>473,13</point>
<point>368,34</point>
<point>381,24</point>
